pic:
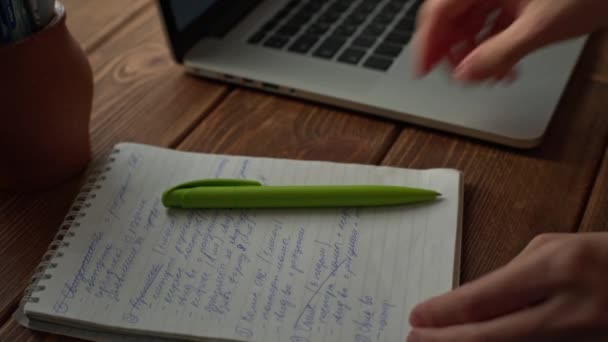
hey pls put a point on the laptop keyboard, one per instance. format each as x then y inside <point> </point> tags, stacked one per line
<point>367,33</point>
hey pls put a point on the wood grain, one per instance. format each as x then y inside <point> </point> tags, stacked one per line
<point>596,212</point>
<point>257,124</point>
<point>12,331</point>
<point>512,195</point>
<point>92,22</point>
<point>140,96</point>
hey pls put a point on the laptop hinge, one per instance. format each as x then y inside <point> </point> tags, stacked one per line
<point>232,17</point>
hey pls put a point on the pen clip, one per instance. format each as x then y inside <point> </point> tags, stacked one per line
<point>216,182</point>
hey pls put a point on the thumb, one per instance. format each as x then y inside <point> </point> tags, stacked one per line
<point>498,54</point>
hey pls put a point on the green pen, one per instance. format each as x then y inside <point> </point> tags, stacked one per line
<point>240,194</point>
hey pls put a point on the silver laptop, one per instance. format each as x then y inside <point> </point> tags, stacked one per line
<point>355,54</point>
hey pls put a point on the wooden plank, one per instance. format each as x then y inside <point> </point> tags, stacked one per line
<point>140,96</point>
<point>17,333</point>
<point>257,124</point>
<point>596,212</point>
<point>91,22</point>
<point>512,195</point>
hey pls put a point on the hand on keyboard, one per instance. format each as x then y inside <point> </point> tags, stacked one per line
<point>484,39</point>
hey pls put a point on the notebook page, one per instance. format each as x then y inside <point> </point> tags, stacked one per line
<point>259,275</point>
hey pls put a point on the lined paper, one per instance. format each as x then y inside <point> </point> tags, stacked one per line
<point>352,274</point>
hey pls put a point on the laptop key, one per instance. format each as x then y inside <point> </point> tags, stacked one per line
<point>382,20</point>
<point>398,38</point>
<point>293,3</point>
<point>277,42</point>
<point>304,43</point>
<point>313,6</point>
<point>330,17</point>
<point>385,16</point>
<point>356,19</point>
<point>389,50</point>
<point>282,14</point>
<point>378,63</point>
<point>329,47</point>
<point>366,7</point>
<point>345,4</point>
<point>288,30</point>
<point>318,28</point>
<point>374,30</point>
<point>364,42</point>
<point>310,8</point>
<point>339,7</point>
<point>270,25</point>
<point>352,56</point>
<point>307,11</point>
<point>257,38</point>
<point>406,24</point>
<point>393,7</point>
<point>298,20</point>
<point>412,12</point>
<point>345,30</point>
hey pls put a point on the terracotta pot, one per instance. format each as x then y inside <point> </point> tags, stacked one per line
<point>46,92</point>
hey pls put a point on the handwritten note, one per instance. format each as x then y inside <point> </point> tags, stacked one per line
<point>253,275</point>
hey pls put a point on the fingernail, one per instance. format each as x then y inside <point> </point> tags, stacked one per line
<point>465,71</point>
<point>462,72</point>
<point>413,337</point>
<point>415,318</point>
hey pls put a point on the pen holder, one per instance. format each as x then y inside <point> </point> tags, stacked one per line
<point>46,92</point>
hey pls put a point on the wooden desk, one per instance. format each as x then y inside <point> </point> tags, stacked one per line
<point>142,96</point>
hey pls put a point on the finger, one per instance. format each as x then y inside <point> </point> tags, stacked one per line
<point>520,283</point>
<point>459,52</point>
<point>539,241</point>
<point>498,23</point>
<point>529,324</point>
<point>499,53</point>
<point>438,28</point>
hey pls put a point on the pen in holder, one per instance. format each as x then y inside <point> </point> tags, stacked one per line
<point>46,92</point>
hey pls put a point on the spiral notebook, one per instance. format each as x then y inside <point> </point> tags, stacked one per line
<point>124,268</point>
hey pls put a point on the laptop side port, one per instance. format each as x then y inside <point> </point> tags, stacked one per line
<point>270,86</point>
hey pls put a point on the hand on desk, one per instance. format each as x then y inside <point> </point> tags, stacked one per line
<point>555,290</point>
<point>450,29</point>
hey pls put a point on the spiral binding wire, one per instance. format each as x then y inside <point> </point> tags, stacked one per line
<point>72,220</point>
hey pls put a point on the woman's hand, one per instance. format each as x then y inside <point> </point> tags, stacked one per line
<point>555,290</point>
<point>452,30</point>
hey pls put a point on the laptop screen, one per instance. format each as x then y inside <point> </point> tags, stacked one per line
<point>185,12</point>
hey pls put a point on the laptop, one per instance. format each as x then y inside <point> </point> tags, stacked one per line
<point>355,54</point>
